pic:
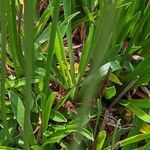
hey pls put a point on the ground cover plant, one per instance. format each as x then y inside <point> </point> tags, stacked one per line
<point>75,74</point>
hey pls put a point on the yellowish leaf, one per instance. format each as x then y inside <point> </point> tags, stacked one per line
<point>114,79</point>
<point>145,128</point>
<point>76,67</point>
<point>22,2</point>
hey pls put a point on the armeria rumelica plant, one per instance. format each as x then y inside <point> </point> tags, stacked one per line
<point>74,74</point>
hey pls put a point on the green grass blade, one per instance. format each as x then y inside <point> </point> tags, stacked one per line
<point>14,43</point>
<point>103,34</point>
<point>63,26</point>
<point>101,139</point>
<point>99,106</point>
<point>134,139</point>
<point>43,20</point>
<point>114,135</point>
<point>85,55</point>
<point>131,140</point>
<point>3,31</point>
<point>62,60</point>
<point>67,13</point>
<point>139,112</point>
<point>51,44</point>
<point>62,66</point>
<point>129,25</point>
<point>29,57</point>
<point>46,111</point>
<point>143,19</point>
<point>141,103</point>
<point>8,148</point>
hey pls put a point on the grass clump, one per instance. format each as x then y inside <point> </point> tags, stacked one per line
<point>74,75</point>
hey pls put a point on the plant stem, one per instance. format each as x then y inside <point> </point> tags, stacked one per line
<point>28,49</point>
<point>124,91</point>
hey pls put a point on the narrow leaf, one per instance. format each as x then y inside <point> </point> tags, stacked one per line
<point>137,111</point>
<point>46,111</point>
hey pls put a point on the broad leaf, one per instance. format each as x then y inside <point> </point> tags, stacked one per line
<point>56,116</point>
<point>18,108</point>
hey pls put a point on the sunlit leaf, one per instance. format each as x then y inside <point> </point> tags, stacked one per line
<point>110,92</point>
<point>114,65</point>
<point>56,116</point>
<point>145,128</point>
<point>101,139</point>
<point>114,79</point>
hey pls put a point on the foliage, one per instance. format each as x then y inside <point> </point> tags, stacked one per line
<point>49,99</point>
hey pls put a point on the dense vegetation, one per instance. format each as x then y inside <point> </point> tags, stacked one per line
<point>75,74</point>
